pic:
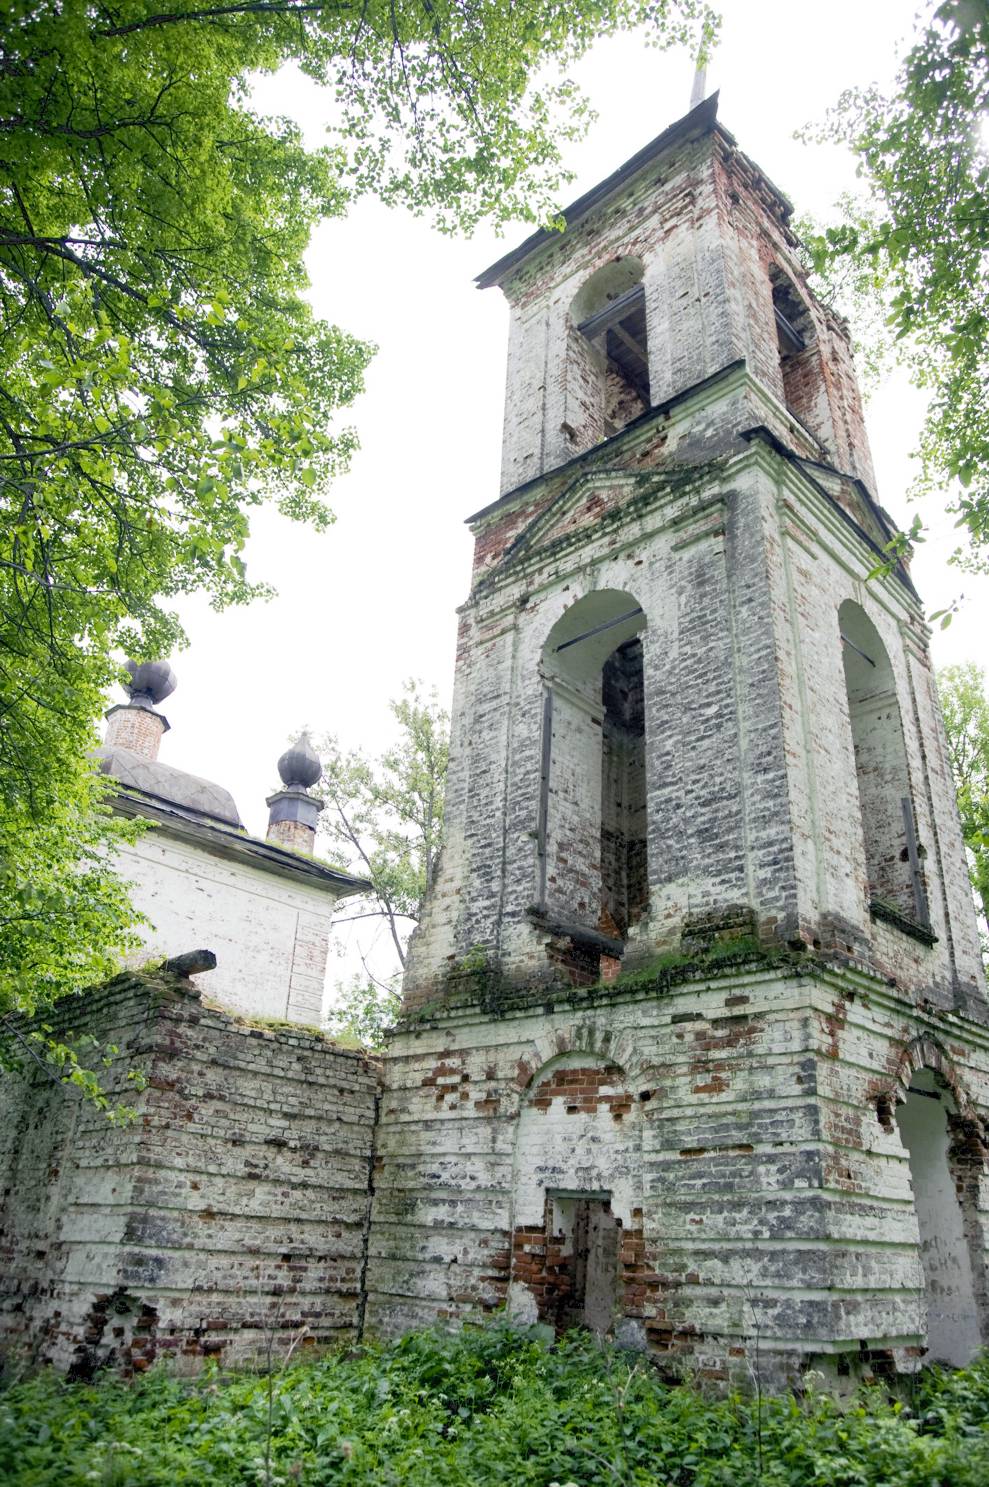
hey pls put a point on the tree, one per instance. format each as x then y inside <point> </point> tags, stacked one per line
<point>919,241</point>
<point>161,372</point>
<point>384,820</point>
<point>966,725</point>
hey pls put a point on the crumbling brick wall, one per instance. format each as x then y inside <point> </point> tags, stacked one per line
<point>732,1121</point>
<point>230,1215</point>
<point>708,229</point>
<point>713,512</point>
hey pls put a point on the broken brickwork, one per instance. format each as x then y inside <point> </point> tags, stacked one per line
<point>230,1214</point>
<point>703,883</point>
<point>731,1120</point>
<point>694,1044</point>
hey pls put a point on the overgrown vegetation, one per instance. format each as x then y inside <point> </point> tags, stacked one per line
<point>490,1406</point>
<point>965,706</point>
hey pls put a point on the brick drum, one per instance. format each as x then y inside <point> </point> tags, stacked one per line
<point>139,729</point>
<point>295,835</point>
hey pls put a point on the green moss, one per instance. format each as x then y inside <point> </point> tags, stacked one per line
<point>720,956</point>
<point>475,981</point>
<point>276,1024</point>
<point>471,978</point>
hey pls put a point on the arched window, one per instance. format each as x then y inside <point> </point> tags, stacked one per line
<point>893,854</point>
<point>608,362</point>
<point>799,360</point>
<point>592,814</point>
<point>924,1120</point>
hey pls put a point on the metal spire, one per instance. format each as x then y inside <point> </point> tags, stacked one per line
<point>699,89</point>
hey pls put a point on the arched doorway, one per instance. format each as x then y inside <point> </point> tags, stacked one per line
<point>577,1179</point>
<point>953,1332</point>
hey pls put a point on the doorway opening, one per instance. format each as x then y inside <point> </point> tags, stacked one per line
<point>588,1238</point>
<point>953,1332</point>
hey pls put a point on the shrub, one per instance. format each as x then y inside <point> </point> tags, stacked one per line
<point>485,1406</point>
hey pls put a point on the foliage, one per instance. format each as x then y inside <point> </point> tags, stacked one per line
<point>966,724</point>
<point>161,371</point>
<point>920,241</point>
<point>64,914</point>
<point>384,821</point>
<point>364,1009</point>
<point>488,1406</point>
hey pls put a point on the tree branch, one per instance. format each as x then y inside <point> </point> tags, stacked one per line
<point>221,12</point>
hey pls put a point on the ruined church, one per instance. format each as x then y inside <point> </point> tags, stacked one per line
<point>694,1049</point>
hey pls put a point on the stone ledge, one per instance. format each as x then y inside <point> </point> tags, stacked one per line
<point>890,915</point>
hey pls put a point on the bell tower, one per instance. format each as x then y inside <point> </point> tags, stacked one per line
<point>702,919</point>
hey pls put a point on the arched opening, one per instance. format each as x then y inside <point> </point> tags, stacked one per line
<point>608,362</point>
<point>894,856</point>
<point>577,1247</point>
<point>952,1320</point>
<point>592,813</point>
<point>799,360</point>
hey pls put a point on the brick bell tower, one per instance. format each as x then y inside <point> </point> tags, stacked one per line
<point>695,1046</point>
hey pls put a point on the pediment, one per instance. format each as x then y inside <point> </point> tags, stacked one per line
<point>852,495</point>
<point>580,505</point>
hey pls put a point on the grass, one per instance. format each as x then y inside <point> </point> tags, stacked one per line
<point>488,1406</point>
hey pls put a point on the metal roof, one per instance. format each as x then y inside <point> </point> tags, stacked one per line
<point>700,120</point>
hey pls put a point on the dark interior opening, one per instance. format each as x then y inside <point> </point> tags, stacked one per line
<point>794,335</point>
<point>618,333</point>
<point>624,879</point>
<point>589,1294</point>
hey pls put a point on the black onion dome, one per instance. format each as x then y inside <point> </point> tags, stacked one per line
<point>154,680</point>
<point>299,766</point>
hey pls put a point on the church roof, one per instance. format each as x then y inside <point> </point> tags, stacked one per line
<point>699,121</point>
<point>163,782</point>
<point>204,814</point>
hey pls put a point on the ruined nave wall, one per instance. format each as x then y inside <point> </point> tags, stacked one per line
<point>230,1211</point>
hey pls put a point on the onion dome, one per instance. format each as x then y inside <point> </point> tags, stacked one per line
<point>151,682</point>
<point>299,766</point>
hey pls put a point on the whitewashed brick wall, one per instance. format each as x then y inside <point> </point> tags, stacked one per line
<point>270,933</point>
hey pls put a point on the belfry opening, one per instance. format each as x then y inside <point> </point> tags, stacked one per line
<point>624,884</point>
<point>608,361</point>
<point>592,809</point>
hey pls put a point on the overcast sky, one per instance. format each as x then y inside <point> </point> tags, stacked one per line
<point>372,601</point>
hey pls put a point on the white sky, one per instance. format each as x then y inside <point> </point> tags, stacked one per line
<point>372,601</point>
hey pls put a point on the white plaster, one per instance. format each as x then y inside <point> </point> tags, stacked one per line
<point>585,1153</point>
<point>270,934</point>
